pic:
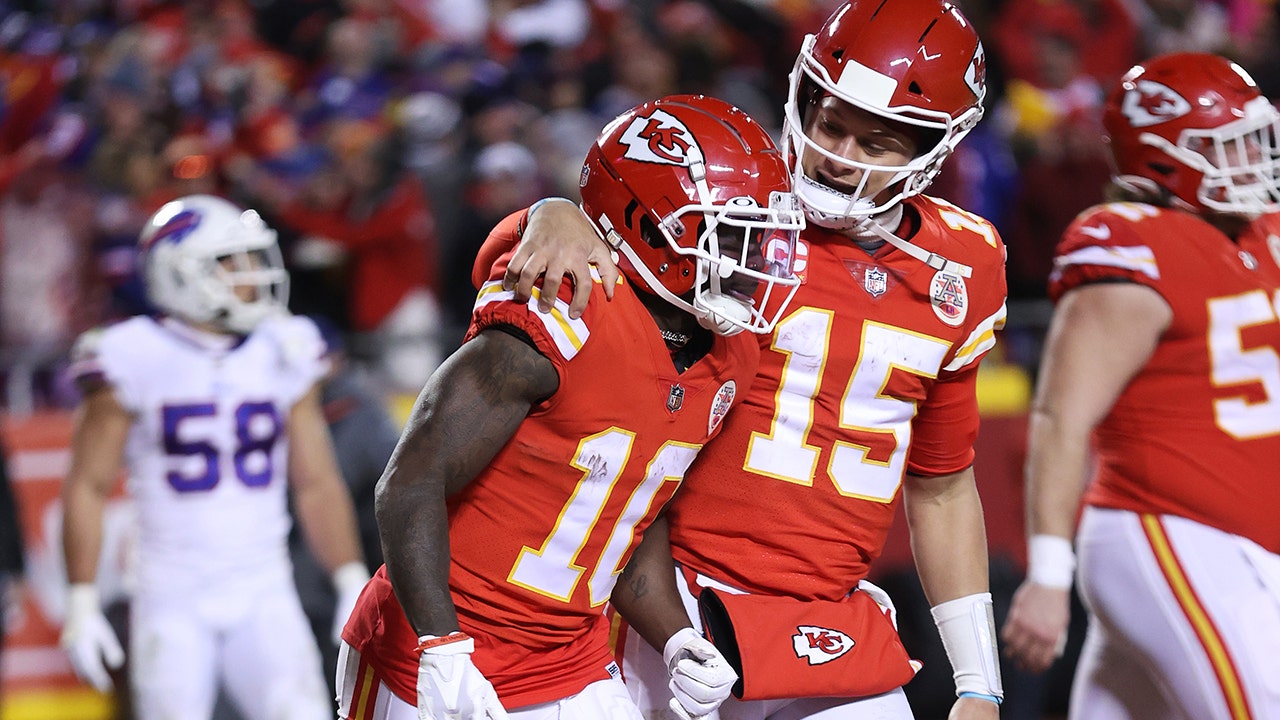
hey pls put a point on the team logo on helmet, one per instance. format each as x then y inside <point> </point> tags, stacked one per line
<point>1151,103</point>
<point>1273,244</point>
<point>658,138</point>
<point>820,645</point>
<point>176,229</point>
<point>975,76</point>
<point>721,404</point>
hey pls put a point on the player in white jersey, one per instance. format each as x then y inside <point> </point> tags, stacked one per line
<point>214,407</point>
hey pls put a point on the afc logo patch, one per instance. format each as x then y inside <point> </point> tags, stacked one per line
<point>949,297</point>
<point>820,645</point>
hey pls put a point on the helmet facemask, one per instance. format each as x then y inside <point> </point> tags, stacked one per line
<point>256,284</point>
<point>728,294</point>
<point>1240,161</point>
<point>837,209</point>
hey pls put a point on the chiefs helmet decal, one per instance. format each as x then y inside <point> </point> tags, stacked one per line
<point>659,137</point>
<point>1150,102</point>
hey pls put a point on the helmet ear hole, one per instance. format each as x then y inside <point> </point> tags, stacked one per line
<point>650,233</point>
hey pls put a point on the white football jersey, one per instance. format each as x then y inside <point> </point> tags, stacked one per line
<point>208,448</point>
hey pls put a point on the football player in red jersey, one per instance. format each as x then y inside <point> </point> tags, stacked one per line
<point>541,450</point>
<point>1165,348</point>
<point>865,398</point>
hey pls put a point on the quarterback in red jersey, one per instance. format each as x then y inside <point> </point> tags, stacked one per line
<point>545,446</point>
<point>1165,347</point>
<point>865,397</point>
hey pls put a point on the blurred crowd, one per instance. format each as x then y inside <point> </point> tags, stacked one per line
<point>383,138</point>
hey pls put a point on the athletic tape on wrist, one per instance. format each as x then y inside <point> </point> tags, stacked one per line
<point>455,643</point>
<point>981,696</point>
<point>968,629</point>
<point>1051,561</point>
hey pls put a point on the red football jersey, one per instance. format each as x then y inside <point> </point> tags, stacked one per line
<point>538,539</point>
<point>1197,432</point>
<point>869,376</point>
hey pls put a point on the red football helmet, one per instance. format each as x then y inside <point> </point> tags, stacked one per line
<point>1195,126</point>
<point>696,198</point>
<point>917,62</point>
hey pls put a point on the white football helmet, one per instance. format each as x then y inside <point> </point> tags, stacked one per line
<point>199,253</point>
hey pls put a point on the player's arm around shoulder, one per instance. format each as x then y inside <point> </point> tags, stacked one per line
<point>551,241</point>
<point>472,405</point>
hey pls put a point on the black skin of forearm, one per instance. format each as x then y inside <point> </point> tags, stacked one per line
<point>646,594</point>
<point>466,413</point>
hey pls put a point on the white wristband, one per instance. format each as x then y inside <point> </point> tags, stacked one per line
<point>968,629</point>
<point>350,576</point>
<point>1050,561</point>
<point>83,600</point>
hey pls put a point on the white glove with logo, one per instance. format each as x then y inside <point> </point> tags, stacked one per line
<point>348,582</point>
<point>701,678</point>
<point>449,686</point>
<point>88,639</point>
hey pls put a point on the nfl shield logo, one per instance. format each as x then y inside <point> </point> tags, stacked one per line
<point>675,398</point>
<point>875,281</point>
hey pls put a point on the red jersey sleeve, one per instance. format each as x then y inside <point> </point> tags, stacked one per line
<point>946,427</point>
<point>556,335</point>
<point>1104,244</point>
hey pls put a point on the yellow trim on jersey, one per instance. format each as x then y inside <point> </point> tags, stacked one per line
<point>982,339</point>
<point>1219,658</point>
<point>569,335</point>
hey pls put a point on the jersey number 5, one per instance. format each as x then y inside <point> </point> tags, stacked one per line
<point>257,427</point>
<point>1233,364</point>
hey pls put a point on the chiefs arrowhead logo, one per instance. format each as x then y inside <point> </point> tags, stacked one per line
<point>975,76</point>
<point>820,645</point>
<point>658,138</point>
<point>1151,103</point>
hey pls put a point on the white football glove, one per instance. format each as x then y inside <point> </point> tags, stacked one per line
<point>449,686</point>
<point>348,582</point>
<point>88,639</point>
<point>701,678</point>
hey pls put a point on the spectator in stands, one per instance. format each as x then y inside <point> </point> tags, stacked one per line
<point>380,216</point>
<point>11,549</point>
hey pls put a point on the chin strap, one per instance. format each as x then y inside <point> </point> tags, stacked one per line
<point>934,260</point>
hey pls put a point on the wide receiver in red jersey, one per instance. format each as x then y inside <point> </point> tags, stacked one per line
<point>538,454</point>
<point>1165,346</point>
<point>866,388</point>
